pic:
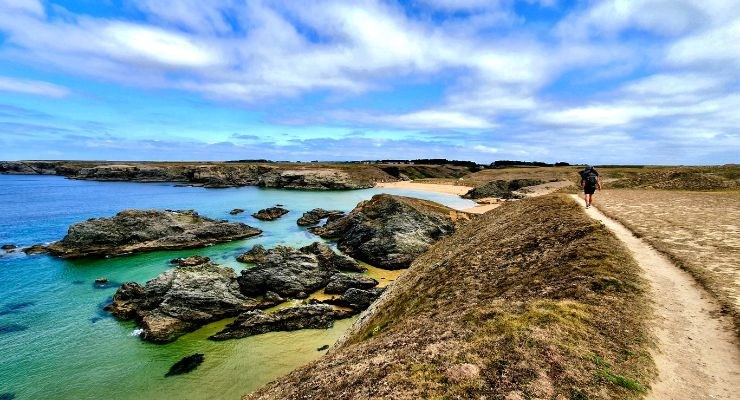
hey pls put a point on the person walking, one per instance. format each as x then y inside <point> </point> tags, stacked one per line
<point>590,181</point>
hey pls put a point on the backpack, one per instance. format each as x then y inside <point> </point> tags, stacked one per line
<point>592,179</point>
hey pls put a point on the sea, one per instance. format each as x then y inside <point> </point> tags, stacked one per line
<point>57,342</point>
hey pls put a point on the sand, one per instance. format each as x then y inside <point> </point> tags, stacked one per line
<point>431,187</point>
<point>697,355</point>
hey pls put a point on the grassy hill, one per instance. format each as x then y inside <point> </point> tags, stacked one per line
<point>531,300</point>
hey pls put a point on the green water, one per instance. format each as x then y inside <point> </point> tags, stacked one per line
<point>57,342</point>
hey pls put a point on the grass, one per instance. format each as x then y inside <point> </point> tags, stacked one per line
<point>515,304</point>
<point>696,233</point>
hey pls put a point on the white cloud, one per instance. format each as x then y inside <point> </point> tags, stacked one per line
<point>157,45</point>
<point>32,87</point>
<point>668,84</point>
<point>25,6</point>
<point>720,44</point>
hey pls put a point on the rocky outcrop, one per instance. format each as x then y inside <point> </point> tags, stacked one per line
<point>501,189</point>
<point>236,211</point>
<point>190,261</point>
<point>391,231</point>
<point>339,283</point>
<point>270,214</point>
<point>294,273</point>
<point>8,248</point>
<point>312,316</point>
<point>356,299</point>
<point>255,255</point>
<point>181,300</point>
<point>132,231</point>
<point>314,216</point>
<point>314,179</point>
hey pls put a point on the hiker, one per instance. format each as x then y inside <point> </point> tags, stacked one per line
<point>590,180</point>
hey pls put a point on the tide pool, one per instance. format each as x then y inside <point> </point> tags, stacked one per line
<point>57,342</point>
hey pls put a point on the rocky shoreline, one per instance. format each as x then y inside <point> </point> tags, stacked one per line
<point>304,176</point>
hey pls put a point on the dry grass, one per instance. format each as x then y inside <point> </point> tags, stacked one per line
<point>699,231</point>
<point>531,300</point>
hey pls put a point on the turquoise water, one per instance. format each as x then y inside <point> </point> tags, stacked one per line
<point>55,340</point>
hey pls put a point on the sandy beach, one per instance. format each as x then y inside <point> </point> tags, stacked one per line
<point>432,187</point>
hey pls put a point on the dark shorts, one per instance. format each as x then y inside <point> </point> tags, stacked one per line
<point>588,189</point>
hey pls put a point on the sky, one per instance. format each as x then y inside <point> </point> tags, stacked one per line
<point>612,81</point>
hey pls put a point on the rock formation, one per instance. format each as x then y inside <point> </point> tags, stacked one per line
<point>236,211</point>
<point>181,300</point>
<point>312,316</point>
<point>390,231</point>
<point>295,273</point>
<point>501,189</point>
<point>190,261</point>
<point>255,255</point>
<point>339,283</point>
<point>356,299</point>
<point>314,216</point>
<point>270,214</point>
<point>132,231</point>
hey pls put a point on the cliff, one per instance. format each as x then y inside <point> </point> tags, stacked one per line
<point>531,300</point>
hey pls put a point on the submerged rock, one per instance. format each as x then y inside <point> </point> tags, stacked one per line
<point>185,365</point>
<point>190,261</point>
<point>133,231</point>
<point>339,283</point>
<point>8,247</point>
<point>391,231</point>
<point>270,214</point>
<point>7,396</point>
<point>255,255</point>
<point>181,300</point>
<point>292,272</point>
<point>10,328</point>
<point>314,216</point>
<point>312,316</point>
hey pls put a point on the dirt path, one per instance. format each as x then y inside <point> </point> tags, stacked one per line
<point>697,356</point>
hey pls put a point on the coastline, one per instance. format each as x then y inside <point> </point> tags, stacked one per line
<point>440,188</point>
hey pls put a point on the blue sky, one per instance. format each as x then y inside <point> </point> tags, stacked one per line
<point>612,81</point>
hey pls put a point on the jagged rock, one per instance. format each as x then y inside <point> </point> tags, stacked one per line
<point>36,249</point>
<point>314,216</point>
<point>186,364</point>
<point>255,255</point>
<point>270,214</point>
<point>391,231</point>
<point>236,211</point>
<point>356,299</point>
<point>181,300</point>
<point>295,273</point>
<point>8,247</point>
<point>312,316</point>
<point>339,283</point>
<point>501,189</point>
<point>190,261</point>
<point>132,231</point>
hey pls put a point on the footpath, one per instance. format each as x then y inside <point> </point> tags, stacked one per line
<point>696,354</point>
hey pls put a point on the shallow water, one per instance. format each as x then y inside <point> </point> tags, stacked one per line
<point>57,342</point>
